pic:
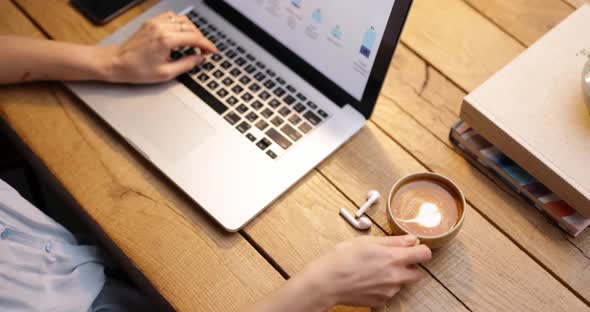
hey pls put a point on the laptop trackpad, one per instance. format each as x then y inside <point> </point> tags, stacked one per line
<point>169,126</point>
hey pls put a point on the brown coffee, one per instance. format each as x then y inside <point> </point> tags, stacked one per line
<point>426,207</point>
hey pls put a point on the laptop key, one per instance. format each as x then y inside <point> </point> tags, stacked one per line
<point>254,87</point>
<point>208,66</point>
<point>274,103</point>
<point>240,61</point>
<point>222,46</point>
<point>216,57</point>
<point>278,138</point>
<point>291,89</point>
<point>247,97</point>
<point>312,118</point>
<point>203,77</point>
<point>264,144</point>
<point>281,80</point>
<point>235,72</point>
<point>270,73</point>
<point>305,127</point>
<point>299,107</point>
<point>205,95</point>
<point>231,101</point>
<point>218,74</point>
<point>266,113</point>
<point>241,50</point>
<point>264,95</point>
<point>243,127</point>
<point>260,77</point>
<point>260,65</point>
<point>277,121</point>
<point>271,154</point>
<point>289,99</point>
<point>245,80</point>
<point>301,97</point>
<point>285,111</point>
<point>312,105</point>
<point>213,85</point>
<point>195,70</point>
<point>257,105</point>
<point>261,124</point>
<point>270,84</point>
<point>227,81</point>
<point>222,93</point>
<point>242,108</point>
<point>291,132</point>
<point>225,65</point>
<point>232,118</point>
<point>237,89</point>
<point>231,42</point>
<point>250,69</point>
<point>294,120</point>
<point>251,137</point>
<point>279,92</point>
<point>250,57</point>
<point>252,117</point>
<point>231,54</point>
<point>323,114</point>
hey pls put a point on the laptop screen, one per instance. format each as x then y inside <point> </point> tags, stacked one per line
<point>340,39</point>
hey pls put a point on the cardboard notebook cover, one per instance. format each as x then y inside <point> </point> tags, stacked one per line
<point>533,110</point>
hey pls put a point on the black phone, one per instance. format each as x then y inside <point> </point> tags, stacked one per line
<point>102,11</point>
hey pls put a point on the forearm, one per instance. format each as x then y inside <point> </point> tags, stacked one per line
<point>27,59</point>
<point>301,293</point>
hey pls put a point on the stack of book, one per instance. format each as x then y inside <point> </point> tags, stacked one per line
<point>528,125</point>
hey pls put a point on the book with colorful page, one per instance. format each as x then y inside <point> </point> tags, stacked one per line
<point>493,162</point>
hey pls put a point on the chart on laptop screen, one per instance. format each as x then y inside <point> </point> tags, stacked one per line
<point>339,38</point>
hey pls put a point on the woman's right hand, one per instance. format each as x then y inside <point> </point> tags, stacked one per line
<point>368,270</point>
<point>145,56</point>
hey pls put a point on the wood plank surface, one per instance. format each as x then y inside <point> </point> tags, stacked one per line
<point>124,197</point>
<point>429,293</point>
<point>483,268</point>
<point>372,160</point>
<point>305,223</point>
<point>458,41</point>
<point>312,192</point>
<point>431,100</point>
<point>526,20</point>
<point>576,3</point>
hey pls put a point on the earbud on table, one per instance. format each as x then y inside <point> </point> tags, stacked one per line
<point>363,223</point>
<point>359,221</point>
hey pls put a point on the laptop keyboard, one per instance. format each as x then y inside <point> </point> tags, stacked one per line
<point>249,95</point>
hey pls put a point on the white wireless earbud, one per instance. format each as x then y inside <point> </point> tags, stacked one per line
<point>363,223</point>
<point>372,197</point>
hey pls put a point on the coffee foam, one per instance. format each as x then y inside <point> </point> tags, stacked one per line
<point>426,207</point>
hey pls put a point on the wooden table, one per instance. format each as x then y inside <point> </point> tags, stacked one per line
<point>507,257</point>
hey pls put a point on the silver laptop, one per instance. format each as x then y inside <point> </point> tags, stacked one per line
<point>295,79</point>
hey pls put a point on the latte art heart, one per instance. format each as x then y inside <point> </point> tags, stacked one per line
<point>428,216</point>
<point>425,208</point>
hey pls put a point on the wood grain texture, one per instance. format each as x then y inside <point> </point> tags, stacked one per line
<point>576,3</point>
<point>455,39</point>
<point>68,24</point>
<point>371,160</point>
<point>433,103</point>
<point>286,245</point>
<point>526,20</point>
<point>305,223</point>
<point>190,261</point>
<point>296,217</point>
<point>406,122</point>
